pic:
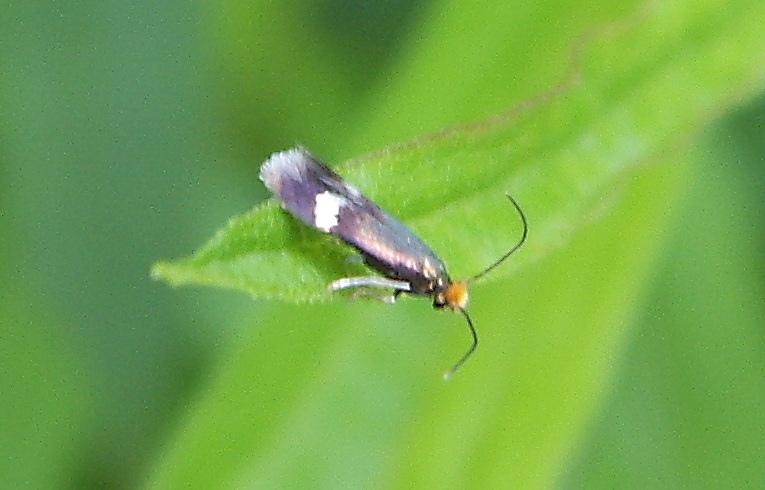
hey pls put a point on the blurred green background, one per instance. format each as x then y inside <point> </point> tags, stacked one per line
<point>131,131</point>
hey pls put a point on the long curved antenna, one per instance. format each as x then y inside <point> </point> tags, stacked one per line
<point>448,374</point>
<point>512,250</point>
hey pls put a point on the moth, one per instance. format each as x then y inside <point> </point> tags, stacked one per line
<point>320,198</point>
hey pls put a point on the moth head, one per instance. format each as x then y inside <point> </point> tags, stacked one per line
<point>454,296</point>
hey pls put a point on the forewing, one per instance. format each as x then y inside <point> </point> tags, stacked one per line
<point>319,197</point>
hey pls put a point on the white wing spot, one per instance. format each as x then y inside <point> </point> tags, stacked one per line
<point>327,210</point>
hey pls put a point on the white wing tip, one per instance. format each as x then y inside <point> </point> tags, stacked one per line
<point>290,162</point>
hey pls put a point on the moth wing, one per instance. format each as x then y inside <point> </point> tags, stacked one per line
<point>320,198</point>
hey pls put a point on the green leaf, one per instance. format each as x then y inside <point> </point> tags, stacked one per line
<point>564,157</point>
<point>348,396</point>
<point>691,375</point>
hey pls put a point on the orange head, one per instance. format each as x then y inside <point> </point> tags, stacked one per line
<point>454,296</point>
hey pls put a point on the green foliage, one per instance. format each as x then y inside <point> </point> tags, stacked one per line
<point>597,164</point>
<point>620,348</point>
<point>562,156</point>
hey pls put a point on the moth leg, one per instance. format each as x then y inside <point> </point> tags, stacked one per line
<point>386,298</point>
<point>364,292</point>
<point>367,286</point>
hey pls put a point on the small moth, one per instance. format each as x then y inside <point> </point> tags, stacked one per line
<point>320,198</point>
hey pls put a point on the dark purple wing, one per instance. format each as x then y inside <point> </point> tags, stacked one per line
<point>320,198</point>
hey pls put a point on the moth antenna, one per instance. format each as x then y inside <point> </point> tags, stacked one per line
<point>512,250</point>
<point>448,374</point>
